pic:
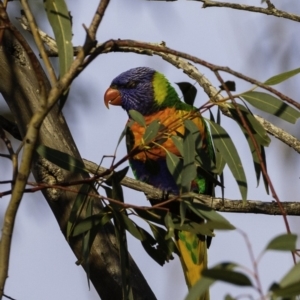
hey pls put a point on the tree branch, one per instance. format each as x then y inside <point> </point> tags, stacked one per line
<point>21,89</point>
<point>219,204</point>
<point>270,10</point>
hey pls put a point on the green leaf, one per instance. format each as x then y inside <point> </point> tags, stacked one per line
<point>200,288</point>
<point>227,275</point>
<point>130,226</point>
<point>87,243</point>
<point>78,203</point>
<point>115,181</point>
<point>61,159</point>
<point>282,77</point>
<point>166,245</point>
<point>175,166</point>
<point>123,251</point>
<point>284,242</point>
<point>60,21</point>
<point>290,284</point>
<point>272,105</point>
<point>259,135</point>
<point>92,221</point>
<point>226,148</point>
<point>189,172</point>
<point>178,142</point>
<point>229,297</point>
<point>151,132</point>
<point>189,92</point>
<point>154,252</point>
<point>137,117</point>
<point>169,224</point>
<point>207,213</point>
<point>256,128</point>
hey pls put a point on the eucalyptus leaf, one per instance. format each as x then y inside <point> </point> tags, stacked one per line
<point>189,166</point>
<point>60,21</point>
<point>229,276</point>
<point>133,228</point>
<point>124,255</point>
<point>282,77</point>
<point>199,288</point>
<point>78,203</point>
<point>175,166</point>
<point>226,148</point>
<point>166,245</point>
<point>256,128</point>
<point>149,244</point>
<point>272,105</point>
<point>61,159</point>
<point>151,132</point>
<point>189,92</point>
<point>90,222</point>
<point>137,117</point>
<point>290,284</point>
<point>178,142</point>
<point>284,242</point>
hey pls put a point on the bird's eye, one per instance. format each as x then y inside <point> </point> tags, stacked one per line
<point>131,84</point>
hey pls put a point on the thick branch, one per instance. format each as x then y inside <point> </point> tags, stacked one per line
<point>20,88</point>
<point>222,205</point>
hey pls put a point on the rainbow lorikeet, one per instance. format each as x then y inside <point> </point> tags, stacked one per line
<point>150,93</point>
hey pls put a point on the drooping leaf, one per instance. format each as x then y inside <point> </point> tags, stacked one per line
<point>200,288</point>
<point>166,245</point>
<point>189,166</point>
<point>229,297</point>
<point>61,159</point>
<point>92,221</point>
<point>115,181</point>
<point>178,142</point>
<point>282,77</point>
<point>259,135</point>
<point>132,227</point>
<point>207,213</point>
<point>229,84</point>
<point>60,21</point>
<point>150,246</point>
<point>226,148</point>
<point>188,225</point>
<point>256,128</point>
<point>272,105</point>
<point>78,203</point>
<point>189,92</point>
<point>123,251</point>
<point>226,273</point>
<point>263,155</point>
<point>151,132</point>
<point>284,242</point>
<point>169,225</point>
<point>175,165</point>
<point>87,242</point>
<point>137,117</point>
<point>290,284</point>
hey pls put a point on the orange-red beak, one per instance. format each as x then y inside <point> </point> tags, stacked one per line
<point>112,96</point>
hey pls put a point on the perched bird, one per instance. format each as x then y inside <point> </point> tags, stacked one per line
<point>150,93</point>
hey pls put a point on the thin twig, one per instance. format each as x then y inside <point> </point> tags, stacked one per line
<point>39,43</point>
<point>270,10</point>
<point>191,71</point>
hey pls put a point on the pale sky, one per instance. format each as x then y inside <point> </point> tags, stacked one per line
<point>42,266</point>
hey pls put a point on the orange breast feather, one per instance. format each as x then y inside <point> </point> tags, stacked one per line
<point>172,120</point>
